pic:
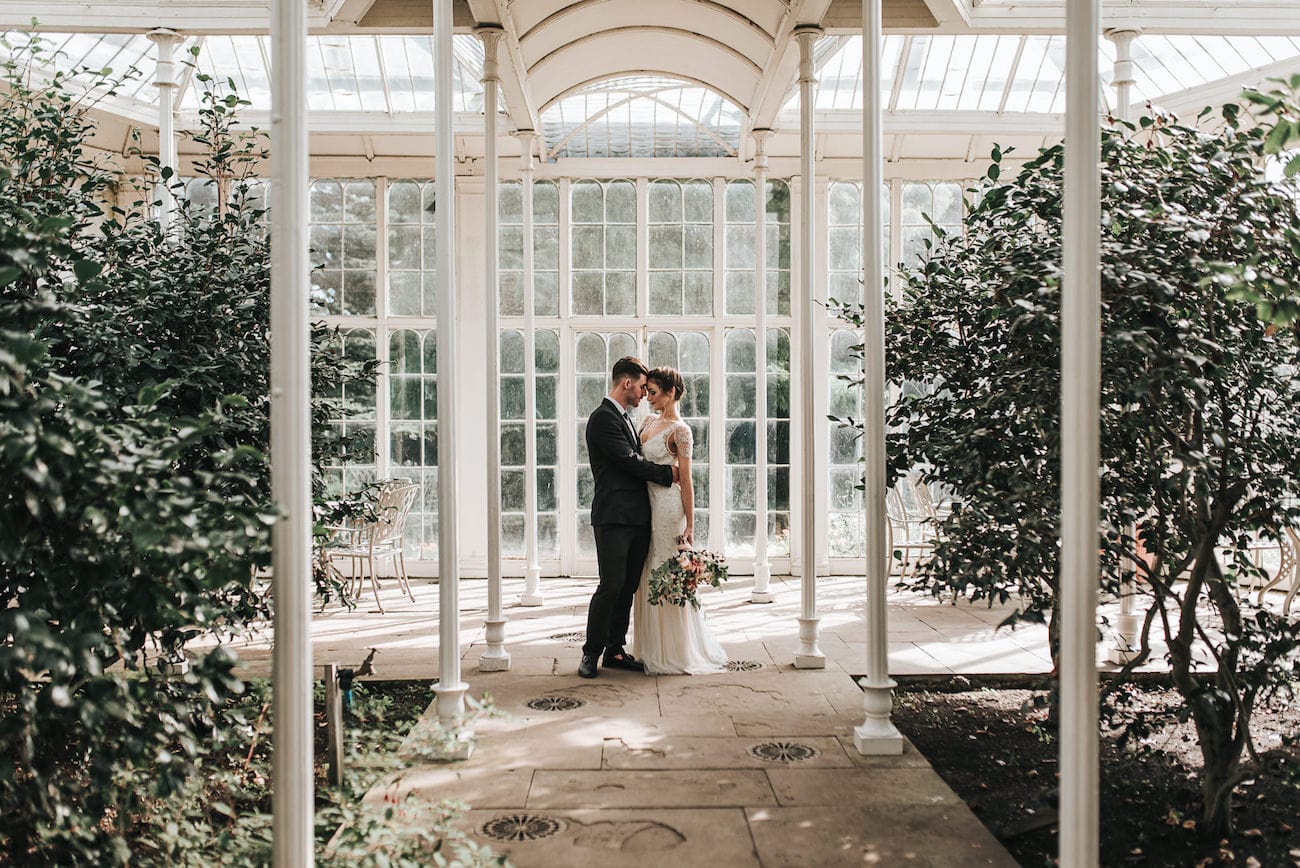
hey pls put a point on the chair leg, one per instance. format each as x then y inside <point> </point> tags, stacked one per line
<point>374,584</point>
<point>402,574</point>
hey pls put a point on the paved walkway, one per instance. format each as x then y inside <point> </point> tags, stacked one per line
<point>926,636</point>
<point>750,767</point>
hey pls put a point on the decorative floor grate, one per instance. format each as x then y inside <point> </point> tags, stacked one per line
<point>555,703</point>
<point>520,827</point>
<point>572,638</point>
<point>743,665</point>
<point>783,751</point>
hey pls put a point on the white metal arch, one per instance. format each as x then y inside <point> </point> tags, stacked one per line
<point>675,54</point>
<point>652,96</point>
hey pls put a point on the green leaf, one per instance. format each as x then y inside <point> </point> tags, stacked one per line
<point>8,274</point>
<point>85,269</point>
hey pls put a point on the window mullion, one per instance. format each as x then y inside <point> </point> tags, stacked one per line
<point>383,436</point>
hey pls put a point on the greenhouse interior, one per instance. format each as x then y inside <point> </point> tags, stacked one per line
<point>599,432</point>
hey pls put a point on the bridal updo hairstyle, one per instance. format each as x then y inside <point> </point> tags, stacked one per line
<point>668,380</point>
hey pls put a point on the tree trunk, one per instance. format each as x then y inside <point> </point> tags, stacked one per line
<point>1214,715</point>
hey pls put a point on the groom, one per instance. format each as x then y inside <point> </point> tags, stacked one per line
<point>620,516</point>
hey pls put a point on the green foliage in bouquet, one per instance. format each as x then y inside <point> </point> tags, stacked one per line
<point>676,581</point>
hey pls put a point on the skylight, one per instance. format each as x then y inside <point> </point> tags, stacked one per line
<point>642,116</point>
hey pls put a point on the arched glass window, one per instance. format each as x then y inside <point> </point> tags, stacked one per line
<point>941,202</point>
<point>413,430</point>
<point>604,248</point>
<point>412,268</point>
<point>342,235</point>
<point>688,352</point>
<point>514,466</point>
<point>844,240</point>
<point>741,248</point>
<point>844,499</point>
<point>681,248</point>
<point>594,359</point>
<point>546,248</point>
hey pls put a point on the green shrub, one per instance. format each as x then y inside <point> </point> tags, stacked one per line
<point>133,436</point>
<point>1200,422</point>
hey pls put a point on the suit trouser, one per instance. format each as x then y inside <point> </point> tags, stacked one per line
<point>620,556</point>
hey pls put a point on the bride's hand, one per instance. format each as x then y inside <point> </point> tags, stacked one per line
<point>689,537</point>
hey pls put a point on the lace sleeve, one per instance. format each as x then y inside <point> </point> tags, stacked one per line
<point>682,441</point>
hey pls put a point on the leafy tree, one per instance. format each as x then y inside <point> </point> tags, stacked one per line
<point>133,435</point>
<point>1200,429</point>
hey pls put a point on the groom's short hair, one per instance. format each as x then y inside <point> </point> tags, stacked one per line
<point>628,366</point>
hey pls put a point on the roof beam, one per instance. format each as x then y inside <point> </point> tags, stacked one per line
<point>520,106</point>
<point>950,12</point>
<point>782,64</point>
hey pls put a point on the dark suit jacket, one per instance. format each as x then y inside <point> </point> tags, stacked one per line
<point>619,470</point>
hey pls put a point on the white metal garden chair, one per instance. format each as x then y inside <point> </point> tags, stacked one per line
<point>365,544</point>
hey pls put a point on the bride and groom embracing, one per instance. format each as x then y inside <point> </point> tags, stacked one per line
<point>643,506</point>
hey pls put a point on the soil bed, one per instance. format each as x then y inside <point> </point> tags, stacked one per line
<point>994,748</point>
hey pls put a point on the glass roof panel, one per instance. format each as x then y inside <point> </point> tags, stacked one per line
<point>344,73</point>
<point>642,116</point>
<point>1012,73</point>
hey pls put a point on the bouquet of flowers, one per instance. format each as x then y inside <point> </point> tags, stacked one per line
<point>676,579</point>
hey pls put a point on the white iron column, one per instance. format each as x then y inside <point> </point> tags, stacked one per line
<point>532,595</point>
<point>495,657</point>
<point>809,655</point>
<point>877,734</point>
<point>450,689</point>
<point>762,569</point>
<point>1128,622</point>
<point>293,810</point>
<point>165,81</point>
<point>1080,400</point>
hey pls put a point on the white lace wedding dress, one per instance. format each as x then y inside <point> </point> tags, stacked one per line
<point>670,640</point>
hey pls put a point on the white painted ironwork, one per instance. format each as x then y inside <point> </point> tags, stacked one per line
<point>450,689</point>
<point>877,733</point>
<point>292,803</point>
<point>495,657</point>
<point>165,80</point>
<point>1126,623</point>
<point>762,568</point>
<point>532,595</point>
<point>1080,397</point>
<point>809,654</point>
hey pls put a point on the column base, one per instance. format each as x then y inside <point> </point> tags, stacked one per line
<point>1121,656</point>
<point>494,662</point>
<point>871,744</point>
<point>877,735</point>
<point>532,595</point>
<point>451,712</point>
<point>809,655</point>
<point>762,597</point>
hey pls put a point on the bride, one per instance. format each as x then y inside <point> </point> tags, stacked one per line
<point>670,640</point>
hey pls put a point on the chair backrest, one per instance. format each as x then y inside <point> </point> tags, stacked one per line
<point>392,507</point>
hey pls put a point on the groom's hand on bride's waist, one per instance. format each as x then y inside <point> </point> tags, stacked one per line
<point>677,474</point>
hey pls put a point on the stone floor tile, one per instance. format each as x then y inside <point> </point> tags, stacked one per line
<point>762,726</point>
<point>621,838</point>
<point>910,758</point>
<point>481,786</point>
<point>938,836</point>
<point>875,787</point>
<point>698,752</point>
<point>645,789</point>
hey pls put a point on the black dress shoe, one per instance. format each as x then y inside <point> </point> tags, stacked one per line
<point>623,661</point>
<point>587,668</point>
